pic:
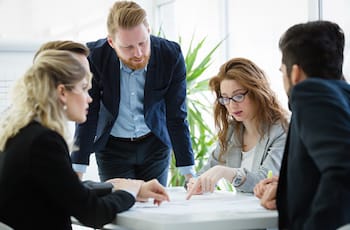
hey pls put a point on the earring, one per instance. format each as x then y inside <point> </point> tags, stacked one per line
<point>64,107</point>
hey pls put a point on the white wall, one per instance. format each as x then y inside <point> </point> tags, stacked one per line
<point>12,65</point>
<point>25,25</point>
<point>80,20</point>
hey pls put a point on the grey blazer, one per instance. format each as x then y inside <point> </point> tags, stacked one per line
<point>268,156</point>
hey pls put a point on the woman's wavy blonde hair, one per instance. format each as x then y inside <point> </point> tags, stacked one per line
<point>252,78</point>
<point>34,96</point>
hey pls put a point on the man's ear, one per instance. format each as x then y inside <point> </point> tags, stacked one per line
<point>61,93</point>
<point>110,41</point>
<point>297,74</point>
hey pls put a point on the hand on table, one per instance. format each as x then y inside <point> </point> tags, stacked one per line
<point>142,190</point>
<point>266,191</point>
<point>129,185</point>
<point>152,189</point>
<point>208,180</point>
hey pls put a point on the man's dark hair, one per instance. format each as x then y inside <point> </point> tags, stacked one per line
<point>317,47</point>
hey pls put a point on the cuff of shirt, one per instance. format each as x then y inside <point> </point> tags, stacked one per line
<point>132,193</point>
<point>79,168</point>
<point>187,170</point>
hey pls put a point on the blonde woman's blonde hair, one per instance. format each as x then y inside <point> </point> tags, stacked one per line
<point>68,45</point>
<point>34,96</point>
<point>125,15</point>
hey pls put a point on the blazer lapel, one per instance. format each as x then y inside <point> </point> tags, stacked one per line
<point>113,83</point>
<point>150,78</point>
<point>234,154</point>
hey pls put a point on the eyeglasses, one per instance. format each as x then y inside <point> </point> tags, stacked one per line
<point>236,98</point>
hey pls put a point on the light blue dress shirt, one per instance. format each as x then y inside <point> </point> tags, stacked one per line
<point>131,121</point>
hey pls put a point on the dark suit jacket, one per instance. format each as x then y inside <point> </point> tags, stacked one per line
<point>164,100</point>
<point>40,190</point>
<point>314,184</point>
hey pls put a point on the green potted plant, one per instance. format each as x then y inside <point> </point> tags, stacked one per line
<point>202,135</point>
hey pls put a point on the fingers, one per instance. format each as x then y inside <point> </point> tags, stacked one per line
<point>274,179</point>
<point>196,186</point>
<point>157,202</point>
<point>159,197</point>
<point>208,184</point>
<point>270,205</point>
<point>190,184</point>
<point>270,180</point>
<point>153,189</point>
<point>259,190</point>
<point>160,192</point>
<point>201,185</point>
<point>268,200</point>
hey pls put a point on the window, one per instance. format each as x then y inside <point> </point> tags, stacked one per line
<point>337,11</point>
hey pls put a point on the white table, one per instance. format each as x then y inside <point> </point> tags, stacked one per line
<point>219,210</point>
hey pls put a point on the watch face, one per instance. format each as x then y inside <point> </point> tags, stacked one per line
<point>238,179</point>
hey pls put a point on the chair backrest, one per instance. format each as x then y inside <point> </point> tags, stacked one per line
<point>5,227</point>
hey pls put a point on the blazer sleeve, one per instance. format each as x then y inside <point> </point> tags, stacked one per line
<point>322,121</point>
<point>85,133</point>
<point>176,112</point>
<point>269,158</point>
<point>212,160</point>
<point>52,173</point>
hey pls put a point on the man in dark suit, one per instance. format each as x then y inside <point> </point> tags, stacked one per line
<point>313,189</point>
<point>139,109</point>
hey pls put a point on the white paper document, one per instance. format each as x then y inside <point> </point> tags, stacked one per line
<point>220,201</point>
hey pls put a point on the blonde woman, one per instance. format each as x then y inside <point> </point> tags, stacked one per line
<point>251,129</point>
<point>38,186</point>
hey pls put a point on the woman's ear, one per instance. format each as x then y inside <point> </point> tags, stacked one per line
<point>62,93</point>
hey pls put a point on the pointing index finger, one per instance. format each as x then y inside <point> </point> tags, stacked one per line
<point>193,189</point>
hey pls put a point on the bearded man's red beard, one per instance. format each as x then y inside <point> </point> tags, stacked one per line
<point>133,63</point>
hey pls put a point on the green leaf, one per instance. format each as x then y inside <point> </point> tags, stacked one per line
<point>202,135</point>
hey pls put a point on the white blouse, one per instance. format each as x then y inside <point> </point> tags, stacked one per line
<point>247,159</point>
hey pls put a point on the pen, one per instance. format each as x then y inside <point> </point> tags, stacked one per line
<point>269,174</point>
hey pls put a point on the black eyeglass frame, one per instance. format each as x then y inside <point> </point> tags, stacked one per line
<point>235,98</point>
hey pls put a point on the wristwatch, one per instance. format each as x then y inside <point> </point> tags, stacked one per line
<point>239,178</point>
<point>185,185</point>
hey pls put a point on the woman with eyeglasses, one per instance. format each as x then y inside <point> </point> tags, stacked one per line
<point>251,129</point>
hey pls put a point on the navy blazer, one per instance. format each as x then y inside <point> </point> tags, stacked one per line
<point>314,189</point>
<point>165,108</point>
